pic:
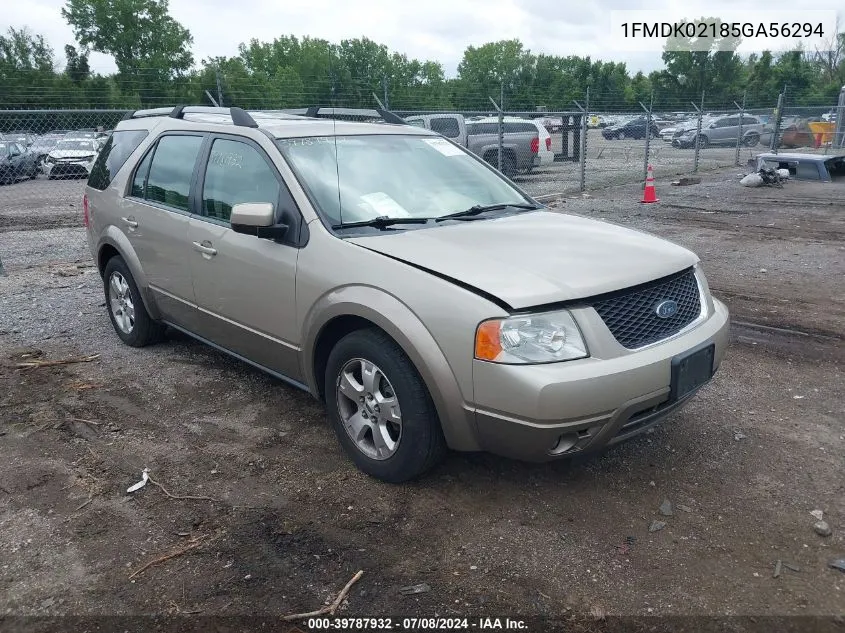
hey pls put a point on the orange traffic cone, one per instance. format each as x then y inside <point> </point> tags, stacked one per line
<point>649,194</point>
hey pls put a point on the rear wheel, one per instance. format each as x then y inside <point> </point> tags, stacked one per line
<point>380,408</point>
<point>127,312</point>
<point>751,139</point>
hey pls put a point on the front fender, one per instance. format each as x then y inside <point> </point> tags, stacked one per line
<point>395,318</point>
<point>114,237</point>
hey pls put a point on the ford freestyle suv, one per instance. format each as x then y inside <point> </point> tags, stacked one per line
<point>400,279</point>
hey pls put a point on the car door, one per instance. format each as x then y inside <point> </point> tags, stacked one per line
<point>16,160</point>
<point>154,217</point>
<point>245,285</point>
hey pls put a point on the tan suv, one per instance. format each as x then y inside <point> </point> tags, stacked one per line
<point>399,278</point>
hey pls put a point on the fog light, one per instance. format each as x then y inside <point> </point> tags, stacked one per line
<point>565,443</point>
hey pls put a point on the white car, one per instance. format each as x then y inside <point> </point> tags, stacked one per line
<point>545,155</point>
<point>72,157</point>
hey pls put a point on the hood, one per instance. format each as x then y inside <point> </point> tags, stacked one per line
<point>72,153</point>
<point>536,258</point>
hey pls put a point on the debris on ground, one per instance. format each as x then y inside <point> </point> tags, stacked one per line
<point>822,528</point>
<point>666,508</point>
<point>818,515</point>
<point>684,508</point>
<point>411,590</point>
<point>739,435</point>
<point>838,563</point>
<point>791,567</point>
<point>776,573</point>
<point>329,608</point>
<point>687,180</point>
<point>35,364</point>
<point>192,544</point>
<point>656,526</point>
<point>145,477</point>
<point>765,176</point>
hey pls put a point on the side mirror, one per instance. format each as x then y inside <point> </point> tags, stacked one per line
<point>256,218</point>
<point>252,214</point>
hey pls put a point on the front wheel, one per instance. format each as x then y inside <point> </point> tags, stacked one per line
<point>620,136</point>
<point>380,408</point>
<point>127,312</point>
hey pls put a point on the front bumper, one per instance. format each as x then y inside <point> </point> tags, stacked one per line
<point>543,412</point>
<point>67,169</point>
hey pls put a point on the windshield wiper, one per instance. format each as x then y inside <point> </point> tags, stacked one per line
<point>482,208</point>
<point>381,222</point>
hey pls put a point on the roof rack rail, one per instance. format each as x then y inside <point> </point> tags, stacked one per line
<point>239,116</point>
<point>386,115</point>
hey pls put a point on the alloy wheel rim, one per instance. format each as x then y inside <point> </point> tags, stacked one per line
<point>369,408</point>
<point>122,305</point>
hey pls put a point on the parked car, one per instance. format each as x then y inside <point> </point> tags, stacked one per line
<point>723,130</point>
<point>22,138</point>
<point>72,157</point>
<point>636,128</point>
<point>16,163</point>
<point>43,145</point>
<point>521,143</point>
<point>397,277</point>
<point>513,127</point>
<point>668,133</point>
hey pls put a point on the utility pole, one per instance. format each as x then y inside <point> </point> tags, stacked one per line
<point>219,87</point>
<point>386,99</point>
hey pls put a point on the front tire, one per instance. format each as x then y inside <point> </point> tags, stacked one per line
<point>752,139</point>
<point>380,408</point>
<point>127,312</point>
<point>703,142</point>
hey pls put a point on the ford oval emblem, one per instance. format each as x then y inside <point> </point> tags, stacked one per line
<point>666,308</point>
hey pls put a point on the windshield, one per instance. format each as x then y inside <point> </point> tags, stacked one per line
<point>76,145</point>
<point>358,178</point>
<point>43,143</point>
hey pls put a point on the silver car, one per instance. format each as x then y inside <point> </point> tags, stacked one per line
<point>401,280</point>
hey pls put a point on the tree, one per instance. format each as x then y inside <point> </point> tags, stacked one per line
<point>26,69</point>
<point>144,40</point>
<point>484,70</point>
<point>693,68</point>
<point>77,63</point>
<point>20,50</point>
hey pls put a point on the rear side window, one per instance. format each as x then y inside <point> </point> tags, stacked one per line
<point>236,173</point>
<point>446,126</point>
<point>169,182</point>
<point>113,156</point>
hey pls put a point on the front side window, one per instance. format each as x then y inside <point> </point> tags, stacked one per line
<point>171,170</point>
<point>358,178</point>
<point>236,173</point>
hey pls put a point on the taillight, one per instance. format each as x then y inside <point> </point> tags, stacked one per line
<point>535,145</point>
<point>85,210</point>
<point>549,143</point>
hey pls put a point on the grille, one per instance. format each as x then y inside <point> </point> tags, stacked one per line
<point>631,317</point>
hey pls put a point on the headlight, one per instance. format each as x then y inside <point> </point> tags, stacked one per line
<point>688,133</point>
<point>533,338</point>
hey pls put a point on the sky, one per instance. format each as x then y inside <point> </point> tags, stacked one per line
<point>435,29</point>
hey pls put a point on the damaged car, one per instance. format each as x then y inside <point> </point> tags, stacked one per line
<point>424,298</point>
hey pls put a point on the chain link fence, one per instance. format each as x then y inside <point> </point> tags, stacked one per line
<point>45,152</point>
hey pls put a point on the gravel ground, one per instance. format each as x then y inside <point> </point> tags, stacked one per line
<point>291,520</point>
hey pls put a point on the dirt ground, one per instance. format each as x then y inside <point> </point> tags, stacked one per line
<point>288,520</point>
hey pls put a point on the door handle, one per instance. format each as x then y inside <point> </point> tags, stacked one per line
<point>204,249</point>
<point>130,222</point>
